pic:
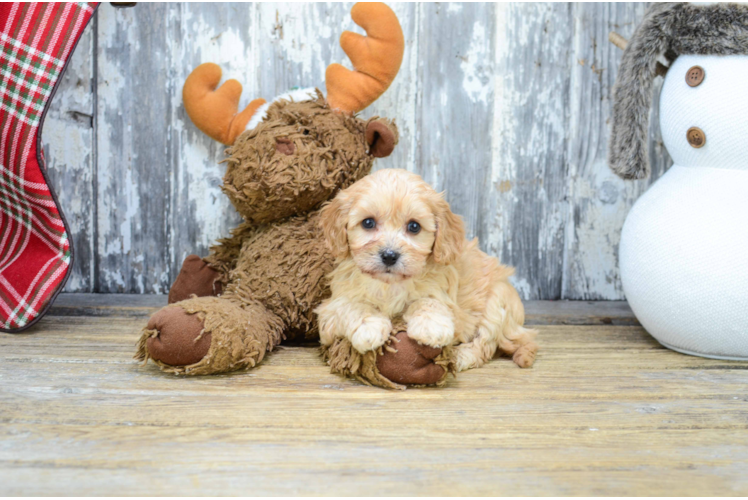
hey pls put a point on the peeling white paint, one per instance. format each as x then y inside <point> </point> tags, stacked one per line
<point>222,45</point>
<point>114,238</point>
<point>132,200</point>
<point>503,132</point>
<point>523,287</point>
<point>477,79</point>
<point>308,44</point>
<point>204,177</point>
<point>67,143</point>
<point>114,277</point>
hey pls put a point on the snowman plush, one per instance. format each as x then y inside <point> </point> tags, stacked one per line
<point>684,248</point>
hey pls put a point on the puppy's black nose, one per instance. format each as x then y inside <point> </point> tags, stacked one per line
<point>389,257</point>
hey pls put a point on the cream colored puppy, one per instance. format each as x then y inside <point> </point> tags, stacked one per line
<point>401,251</point>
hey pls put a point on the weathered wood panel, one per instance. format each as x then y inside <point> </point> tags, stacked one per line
<point>456,58</point>
<point>504,106</point>
<point>134,116</point>
<point>68,144</point>
<point>528,201</point>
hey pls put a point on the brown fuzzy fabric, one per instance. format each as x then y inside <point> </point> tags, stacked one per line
<point>241,334</point>
<point>283,266</point>
<point>224,255</point>
<point>330,154</point>
<point>668,29</point>
<point>273,267</point>
<point>348,362</point>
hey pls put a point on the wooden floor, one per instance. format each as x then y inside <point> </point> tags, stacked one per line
<point>606,410</point>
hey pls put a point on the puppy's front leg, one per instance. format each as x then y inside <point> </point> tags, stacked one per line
<point>365,327</point>
<point>430,322</point>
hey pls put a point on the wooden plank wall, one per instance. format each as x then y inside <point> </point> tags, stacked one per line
<point>504,106</point>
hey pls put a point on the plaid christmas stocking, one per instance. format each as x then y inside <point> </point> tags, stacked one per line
<point>36,41</point>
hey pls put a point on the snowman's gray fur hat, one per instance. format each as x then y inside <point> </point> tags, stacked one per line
<point>669,30</point>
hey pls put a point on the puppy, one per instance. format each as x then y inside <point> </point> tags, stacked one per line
<point>401,251</point>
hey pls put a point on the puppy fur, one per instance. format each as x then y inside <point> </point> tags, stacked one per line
<point>447,290</point>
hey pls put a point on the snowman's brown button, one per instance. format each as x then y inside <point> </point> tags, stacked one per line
<point>695,76</point>
<point>696,137</point>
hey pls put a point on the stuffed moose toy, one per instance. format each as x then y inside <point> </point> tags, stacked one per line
<point>285,159</point>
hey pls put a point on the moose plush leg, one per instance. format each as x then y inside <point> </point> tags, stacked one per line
<point>400,363</point>
<point>207,335</point>
<point>195,278</point>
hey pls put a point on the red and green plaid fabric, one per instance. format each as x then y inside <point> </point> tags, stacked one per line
<point>36,41</point>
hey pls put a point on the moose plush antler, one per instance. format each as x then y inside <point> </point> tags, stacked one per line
<point>286,159</point>
<point>375,57</point>
<point>215,111</point>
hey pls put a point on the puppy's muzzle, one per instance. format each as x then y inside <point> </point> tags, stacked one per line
<point>389,257</point>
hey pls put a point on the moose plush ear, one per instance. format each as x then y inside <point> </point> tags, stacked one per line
<point>216,112</point>
<point>381,136</point>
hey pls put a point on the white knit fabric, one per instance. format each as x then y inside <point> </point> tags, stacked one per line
<point>718,106</point>
<point>297,95</point>
<point>684,247</point>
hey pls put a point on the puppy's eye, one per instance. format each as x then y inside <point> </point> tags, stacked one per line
<point>414,227</point>
<point>368,223</point>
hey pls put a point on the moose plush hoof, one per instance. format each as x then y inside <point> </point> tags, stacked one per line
<point>176,340</point>
<point>195,278</point>
<point>209,335</point>
<point>400,363</point>
<point>405,361</point>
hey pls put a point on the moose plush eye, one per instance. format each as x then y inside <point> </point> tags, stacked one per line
<point>368,223</point>
<point>414,227</point>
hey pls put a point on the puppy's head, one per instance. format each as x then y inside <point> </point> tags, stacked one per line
<point>392,223</point>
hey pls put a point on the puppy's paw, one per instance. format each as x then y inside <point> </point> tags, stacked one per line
<point>435,330</point>
<point>524,357</point>
<point>326,336</point>
<point>466,357</point>
<point>372,334</point>
<point>326,327</point>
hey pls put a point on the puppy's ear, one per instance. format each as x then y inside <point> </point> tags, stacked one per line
<point>334,219</point>
<point>450,234</point>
